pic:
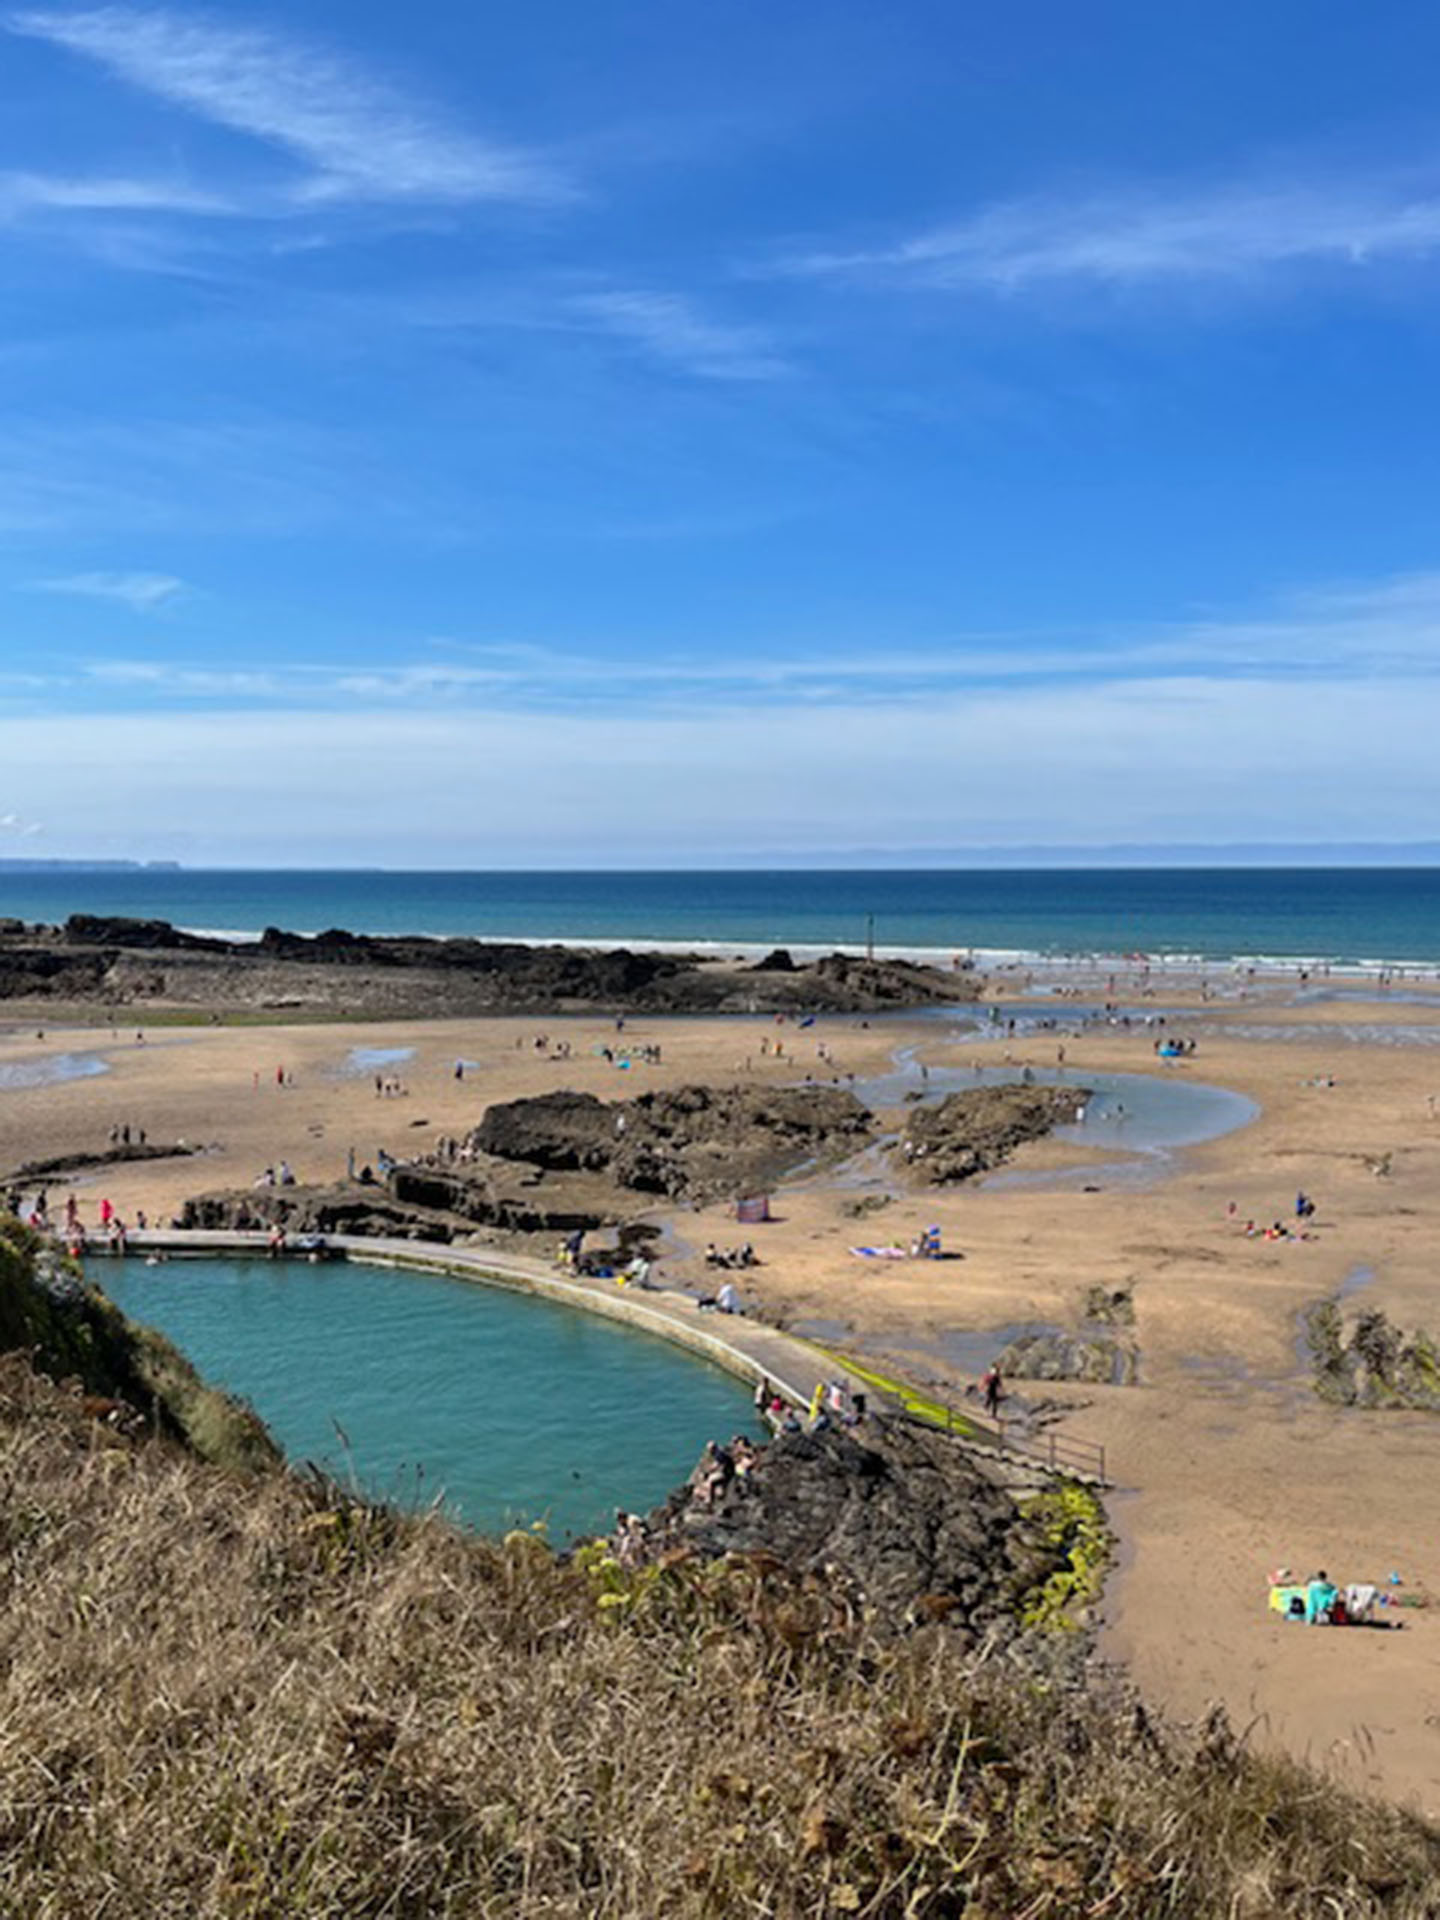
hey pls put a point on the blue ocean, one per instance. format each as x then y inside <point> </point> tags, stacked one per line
<point>1361,915</point>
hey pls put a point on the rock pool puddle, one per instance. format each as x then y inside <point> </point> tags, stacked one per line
<point>375,1059</point>
<point>1147,1117</point>
<point>53,1070</point>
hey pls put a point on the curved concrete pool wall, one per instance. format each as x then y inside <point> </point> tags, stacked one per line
<point>748,1349</point>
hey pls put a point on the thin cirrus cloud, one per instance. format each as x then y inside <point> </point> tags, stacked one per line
<point>30,192</point>
<point>141,592</point>
<point>1148,236</point>
<point>1385,632</point>
<point>671,328</point>
<point>359,139</point>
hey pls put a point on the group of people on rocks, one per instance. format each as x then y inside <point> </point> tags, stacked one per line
<point>124,1135</point>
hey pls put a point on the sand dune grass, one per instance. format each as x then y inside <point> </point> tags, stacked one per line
<point>230,1697</point>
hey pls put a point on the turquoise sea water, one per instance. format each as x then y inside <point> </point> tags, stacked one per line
<point>514,1408</point>
<point>1364,914</point>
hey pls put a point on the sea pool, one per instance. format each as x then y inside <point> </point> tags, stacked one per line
<point>512,1408</point>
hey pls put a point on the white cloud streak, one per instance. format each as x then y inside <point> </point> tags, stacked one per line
<point>39,192</point>
<point>1132,238</point>
<point>141,592</point>
<point>360,139</point>
<point>1387,630</point>
<point>671,328</point>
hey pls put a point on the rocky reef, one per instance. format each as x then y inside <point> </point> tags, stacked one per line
<point>1371,1363</point>
<point>690,1143</point>
<point>1090,1356</point>
<point>975,1131</point>
<point>117,962</point>
<point>903,1523</point>
<point>563,1161</point>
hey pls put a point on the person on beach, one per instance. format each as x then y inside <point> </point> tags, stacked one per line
<point>991,1387</point>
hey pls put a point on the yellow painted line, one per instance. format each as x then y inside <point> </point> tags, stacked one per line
<point>909,1398</point>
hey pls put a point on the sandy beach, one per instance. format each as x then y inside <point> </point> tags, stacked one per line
<point>1225,1462</point>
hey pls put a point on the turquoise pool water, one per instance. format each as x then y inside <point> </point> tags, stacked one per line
<point>511,1407</point>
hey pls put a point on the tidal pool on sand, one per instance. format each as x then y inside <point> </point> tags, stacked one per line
<point>512,1407</point>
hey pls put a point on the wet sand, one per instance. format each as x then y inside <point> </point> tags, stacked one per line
<point>1225,1462</point>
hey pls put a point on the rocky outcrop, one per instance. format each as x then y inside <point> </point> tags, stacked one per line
<point>1096,1358</point>
<point>972,1132</point>
<point>1371,1364</point>
<point>692,1143</point>
<point>904,1519</point>
<point>118,961</point>
<point>899,983</point>
<point>68,1163</point>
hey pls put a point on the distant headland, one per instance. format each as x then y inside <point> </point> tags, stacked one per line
<point>89,866</point>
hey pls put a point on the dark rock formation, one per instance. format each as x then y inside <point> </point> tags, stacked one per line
<point>315,1210</point>
<point>907,1520</point>
<point>901,983</point>
<point>115,961</point>
<point>975,1131</point>
<point>1373,1363</point>
<point>693,1143</point>
<point>1108,1306</point>
<point>110,1157</point>
<point>1097,1358</point>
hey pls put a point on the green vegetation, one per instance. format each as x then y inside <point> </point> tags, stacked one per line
<point>1073,1523</point>
<point>74,1333</point>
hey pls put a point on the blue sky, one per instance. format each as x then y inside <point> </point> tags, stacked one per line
<point>625,433</point>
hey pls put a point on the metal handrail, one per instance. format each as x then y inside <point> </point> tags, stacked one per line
<point>1057,1451</point>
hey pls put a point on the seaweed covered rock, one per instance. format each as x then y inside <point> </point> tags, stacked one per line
<point>1093,1357</point>
<point>1371,1363</point>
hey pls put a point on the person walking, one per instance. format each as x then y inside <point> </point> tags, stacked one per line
<point>991,1386</point>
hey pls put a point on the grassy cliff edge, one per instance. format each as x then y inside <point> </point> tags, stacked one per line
<point>250,1695</point>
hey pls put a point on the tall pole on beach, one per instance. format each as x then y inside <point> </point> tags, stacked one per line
<point>869,936</point>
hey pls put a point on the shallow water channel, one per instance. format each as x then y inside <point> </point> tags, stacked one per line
<point>513,1408</point>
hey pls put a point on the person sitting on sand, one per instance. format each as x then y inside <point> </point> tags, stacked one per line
<point>728,1298</point>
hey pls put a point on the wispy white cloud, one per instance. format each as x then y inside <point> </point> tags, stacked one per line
<point>141,592</point>
<point>360,139</point>
<point>1388,631</point>
<point>1149,235</point>
<point>673,329</point>
<point>30,192</point>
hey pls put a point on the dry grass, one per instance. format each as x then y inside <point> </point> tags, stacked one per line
<point>246,1698</point>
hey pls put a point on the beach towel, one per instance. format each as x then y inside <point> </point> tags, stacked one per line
<point>880,1253</point>
<point>1288,1601</point>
